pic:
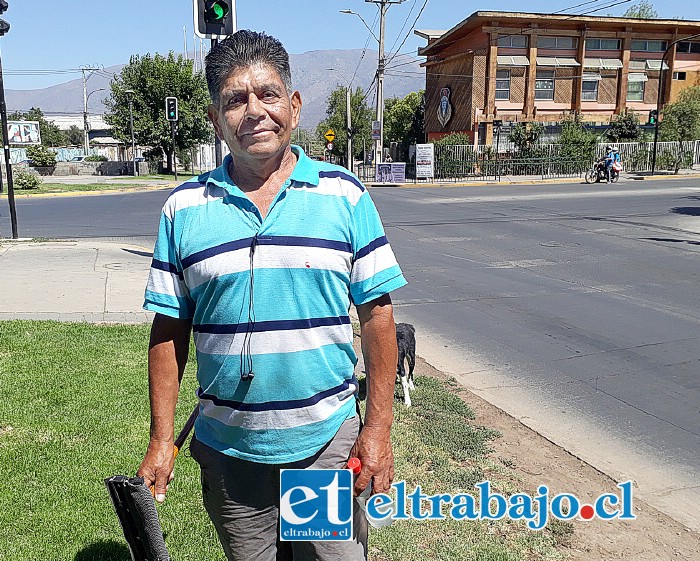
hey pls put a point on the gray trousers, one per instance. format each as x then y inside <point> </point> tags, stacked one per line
<point>242,499</point>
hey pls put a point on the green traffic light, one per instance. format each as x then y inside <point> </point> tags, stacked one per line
<point>216,11</point>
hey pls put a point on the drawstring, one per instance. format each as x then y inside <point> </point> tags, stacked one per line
<point>246,354</point>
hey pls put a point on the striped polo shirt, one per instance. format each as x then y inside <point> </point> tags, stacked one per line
<point>272,296</point>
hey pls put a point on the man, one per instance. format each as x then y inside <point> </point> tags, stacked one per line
<point>262,258</point>
<point>609,159</point>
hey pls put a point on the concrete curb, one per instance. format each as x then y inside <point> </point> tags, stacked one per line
<point>117,191</point>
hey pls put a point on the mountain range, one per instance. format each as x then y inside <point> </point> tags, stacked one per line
<point>310,75</point>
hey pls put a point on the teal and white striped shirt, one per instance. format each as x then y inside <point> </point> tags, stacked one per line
<point>321,246</point>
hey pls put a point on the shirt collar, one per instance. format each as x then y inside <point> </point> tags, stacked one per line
<point>304,172</point>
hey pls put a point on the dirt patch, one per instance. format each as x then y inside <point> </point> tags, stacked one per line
<point>653,536</point>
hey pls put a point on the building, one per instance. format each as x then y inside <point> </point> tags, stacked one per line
<point>520,67</point>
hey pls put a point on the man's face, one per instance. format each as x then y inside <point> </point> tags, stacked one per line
<point>255,115</point>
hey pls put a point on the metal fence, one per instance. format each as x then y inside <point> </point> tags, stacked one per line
<point>470,163</point>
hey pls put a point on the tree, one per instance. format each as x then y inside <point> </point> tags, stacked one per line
<point>75,136</point>
<point>625,128</point>
<point>681,119</point>
<point>643,10</point>
<point>41,156</point>
<point>404,121</point>
<point>361,116</point>
<point>152,79</point>
<point>578,145</point>
<point>525,137</point>
<point>51,135</point>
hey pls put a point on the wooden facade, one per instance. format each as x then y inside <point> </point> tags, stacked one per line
<point>519,67</point>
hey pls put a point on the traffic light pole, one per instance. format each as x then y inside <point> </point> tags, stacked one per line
<point>217,140</point>
<point>172,127</point>
<point>8,165</point>
<point>659,98</point>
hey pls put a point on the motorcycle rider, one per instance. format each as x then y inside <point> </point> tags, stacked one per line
<point>609,159</point>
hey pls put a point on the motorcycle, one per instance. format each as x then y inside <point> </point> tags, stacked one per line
<point>598,172</point>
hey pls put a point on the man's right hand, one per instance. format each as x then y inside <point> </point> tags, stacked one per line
<point>157,468</point>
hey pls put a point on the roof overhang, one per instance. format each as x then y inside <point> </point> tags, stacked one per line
<point>525,21</point>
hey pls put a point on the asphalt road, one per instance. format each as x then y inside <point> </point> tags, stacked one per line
<point>575,308</point>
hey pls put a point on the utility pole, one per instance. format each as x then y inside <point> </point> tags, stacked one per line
<point>84,69</point>
<point>217,140</point>
<point>349,131</point>
<point>8,165</point>
<point>383,7</point>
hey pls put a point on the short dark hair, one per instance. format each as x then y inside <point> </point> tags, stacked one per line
<point>243,49</point>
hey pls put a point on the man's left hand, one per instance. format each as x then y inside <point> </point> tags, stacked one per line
<point>373,449</point>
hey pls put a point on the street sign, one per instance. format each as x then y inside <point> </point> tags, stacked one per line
<point>330,135</point>
<point>376,130</point>
<point>329,146</point>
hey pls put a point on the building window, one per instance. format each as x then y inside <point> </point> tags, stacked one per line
<point>635,91</point>
<point>517,41</point>
<point>589,87</point>
<point>648,46</point>
<point>544,84</point>
<point>503,85</point>
<point>602,44</point>
<point>546,42</point>
<point>679,76</point>
<point>688,47</point>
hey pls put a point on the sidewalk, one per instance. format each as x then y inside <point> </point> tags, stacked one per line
<point>74,281</point>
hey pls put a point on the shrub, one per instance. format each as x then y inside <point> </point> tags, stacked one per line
<point>41,156</point>
<point>454,139</point>
<point>24,179</point>
<point>525,137</point>
<point>625,128</point>
<point>96,158</point>
<point>674,161</point>
<point>578,145</point>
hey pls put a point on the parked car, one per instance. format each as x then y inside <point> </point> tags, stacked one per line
<point>27,162</point>
<point>77,159</point>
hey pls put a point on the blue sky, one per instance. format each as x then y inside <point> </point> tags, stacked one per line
<point>63,35</point>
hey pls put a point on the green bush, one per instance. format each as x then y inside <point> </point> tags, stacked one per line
<point>96,158</point>
<point>578,145</point>
<point>41,156</point>
<point>23,179</point>
<point>674,161</point>
<point>454,139</point>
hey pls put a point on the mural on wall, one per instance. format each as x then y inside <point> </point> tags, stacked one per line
<point>444,113</point>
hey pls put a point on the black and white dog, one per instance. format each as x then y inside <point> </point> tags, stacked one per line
<point>406,342</point>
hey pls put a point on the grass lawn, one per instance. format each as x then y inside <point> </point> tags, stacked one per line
<point>74,410</point>
<point>68,187</point>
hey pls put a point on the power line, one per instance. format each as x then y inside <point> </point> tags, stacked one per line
<point>405,21</point>
<point>409,31</point>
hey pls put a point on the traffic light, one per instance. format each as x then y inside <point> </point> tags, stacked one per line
<point>215,19</point>
<point>171,108</point>
<point>4,26</point>
<point>653,115</point>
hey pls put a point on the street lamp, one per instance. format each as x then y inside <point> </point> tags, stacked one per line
<point>659,96</point>
<point>363,21</point>
<point>131,93</point>
<point>348,118</point>
<point>85,120</point>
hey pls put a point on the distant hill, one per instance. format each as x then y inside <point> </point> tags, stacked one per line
<point>309,75</point>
